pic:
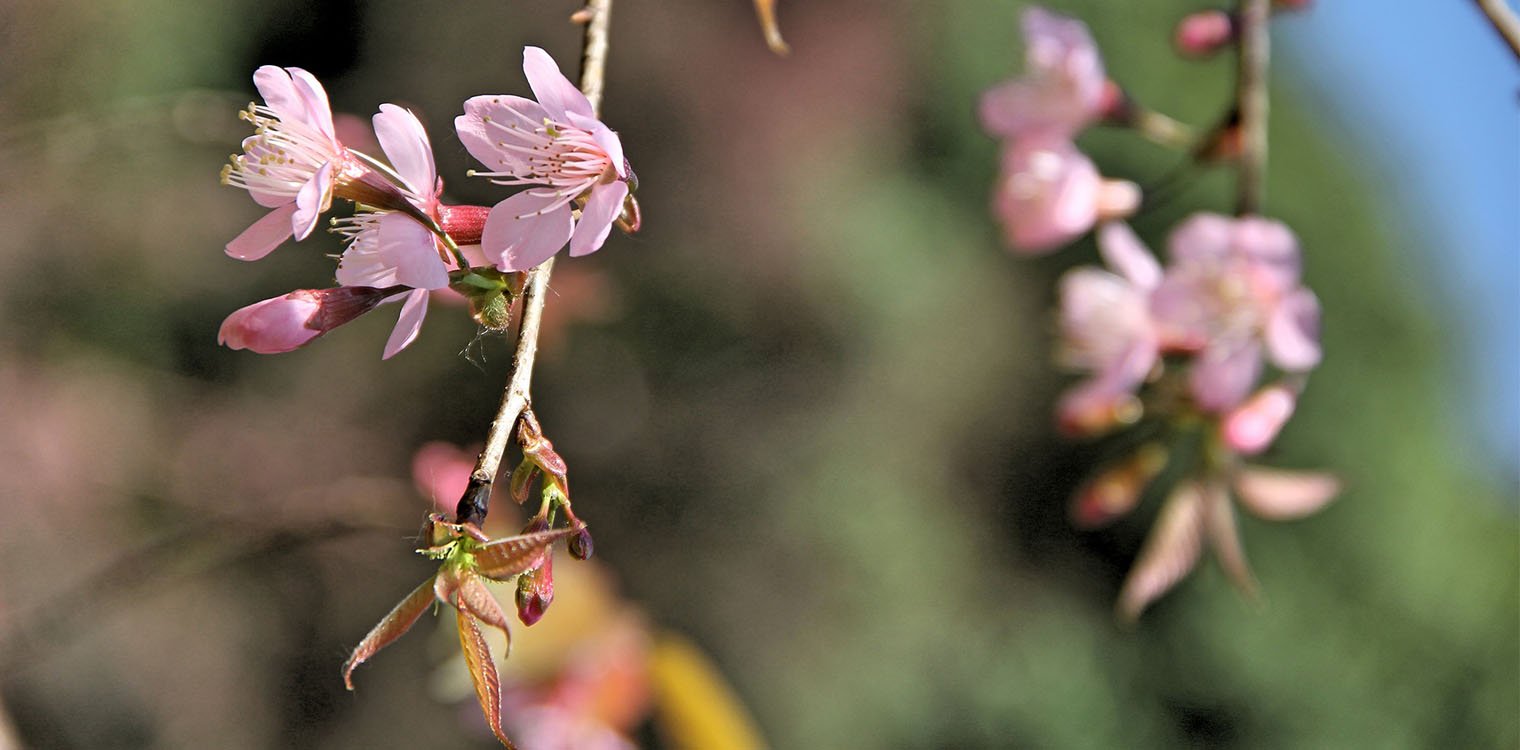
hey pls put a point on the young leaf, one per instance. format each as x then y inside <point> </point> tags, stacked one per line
<point>477,657</point>
<point>475,598</point>
<point>395,624</point>
<point>512,555</point>
<point>1169,554</point>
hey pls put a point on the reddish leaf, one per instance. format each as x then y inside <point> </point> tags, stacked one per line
<point>477,657</point>
<point>512,555</point>
<point>1224,538</point>
<point>1169,554</point>
<point>522,481</point>
<point>389,629</point>
<point>475,598</point>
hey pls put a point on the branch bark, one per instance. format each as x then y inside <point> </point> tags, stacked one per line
<point>1255,50</point>
<point>1505,22</point>
<point>476,501</point>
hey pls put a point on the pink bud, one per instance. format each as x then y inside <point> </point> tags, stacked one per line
<point>1204,33</point>
<point>1253,425</point>
<point>535,592</point>
<point>1115,492</point>
<point>283,324</point>
<point>463,224</point>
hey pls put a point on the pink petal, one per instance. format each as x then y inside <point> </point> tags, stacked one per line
<point>483,140</point>
<point>264,235</point>
<point>318,111</point>
<point>551,88</point>
<point>1224,373</point>
<point>279,93</point>
<point>363,265</point>
<point>314,198</point>
<point>1280,495</point>
<point>1202,237</point>
<point>1169,553</point>
<point>1292,333</point>
<point>1010,109</point>
<point>596,218</point>
<point>408,247</point>
<point>521,234</point>
<point>410,323</point>
<point>405,143</point>
<point>604,137</point>
<point>1124,252</point>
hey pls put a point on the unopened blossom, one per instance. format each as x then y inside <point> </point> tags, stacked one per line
<point>294,162</point>
<point>1251,427</point>
<point>1232,296</point>
<point>1064,89</point>
<point>1106,329</point>
<point>1204,32</point>
<point>291,321</point>
<point>560,151</point>
<point>1049,193</point>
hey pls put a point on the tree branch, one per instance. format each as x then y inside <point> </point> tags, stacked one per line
<point>1504,21</point>
<point>475,502</point>
<point>1255,50</point>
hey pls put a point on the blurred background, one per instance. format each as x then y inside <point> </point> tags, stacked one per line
<point>807,410</point>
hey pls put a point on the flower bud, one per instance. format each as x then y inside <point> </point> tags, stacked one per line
<point>1253,425</point>
<point>1117,490</point>
<point>463,224</point>
<point>535,592</point>
<point>580,545</point>
<point>287,323</point>
<point>1204,33</point>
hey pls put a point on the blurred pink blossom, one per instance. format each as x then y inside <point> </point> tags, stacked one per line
<point>441,471</point>
<point>1063,89</point>
<point>558,148</point>
<point>1049,193</point>
<point>1106,329</point>
<point>286,323</point>
<point>1284,495</point>
<point>1249,428</point>
<point>1231,291</point>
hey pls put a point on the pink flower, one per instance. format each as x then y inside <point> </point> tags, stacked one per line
<point>287,323</point>
<point>390,248</point>
<point>1049,193</point>
<point>1231,291</point>
<point>1106,329</point>
<point>561,150</point>
<point>291,163</point>
<point>1064,89</point>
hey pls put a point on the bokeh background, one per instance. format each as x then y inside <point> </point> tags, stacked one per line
<point>806,410</point>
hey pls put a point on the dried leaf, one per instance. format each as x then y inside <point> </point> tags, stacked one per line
<point>766,10</point>
<point>1281,495</point>
<point>509,556</point>
<point>395,624</point>
<point>477,658</point>
<point>1169,554</point>
<point>1224,538</point>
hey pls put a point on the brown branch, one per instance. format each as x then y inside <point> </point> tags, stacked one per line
<point>475,502</point>
<point>1504,21</point>
<point>1255,50</point>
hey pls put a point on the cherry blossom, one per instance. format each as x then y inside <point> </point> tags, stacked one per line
<point>294,163</point>
<point>1064,90</point>
<point>559,149</point>
<point>1230,295</point>
<point>1107,330</point>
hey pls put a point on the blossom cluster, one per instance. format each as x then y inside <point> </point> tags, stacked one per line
<point>1204,356</point>
<point>403,242</point>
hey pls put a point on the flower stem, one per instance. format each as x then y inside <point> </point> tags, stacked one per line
<point>1251,95</point>
<point>475,503</point>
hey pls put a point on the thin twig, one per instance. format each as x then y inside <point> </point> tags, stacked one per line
<point>1504,20</point>
<point>475,502</point>
<point>1251,90</point>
